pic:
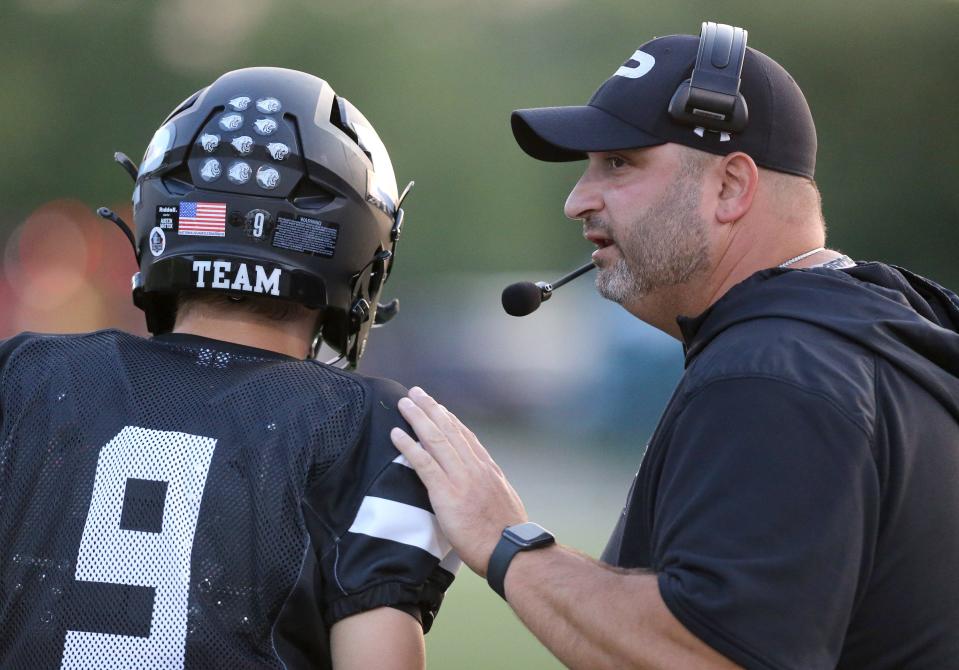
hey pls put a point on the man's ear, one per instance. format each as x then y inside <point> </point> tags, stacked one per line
<point>740,178</point>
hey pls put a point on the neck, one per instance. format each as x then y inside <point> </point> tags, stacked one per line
<point>291,338</point>
<point>749,249</point>
<point>662,309</point>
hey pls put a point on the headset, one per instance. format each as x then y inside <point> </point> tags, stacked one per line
<point>711,99</point>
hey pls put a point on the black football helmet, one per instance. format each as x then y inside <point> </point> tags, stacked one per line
<point>267,183</point>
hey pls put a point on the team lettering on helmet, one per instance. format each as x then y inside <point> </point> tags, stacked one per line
<point>222,275</point>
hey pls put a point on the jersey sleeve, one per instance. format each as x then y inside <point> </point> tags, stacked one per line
<point>764,521</point>
<point>379,543</point>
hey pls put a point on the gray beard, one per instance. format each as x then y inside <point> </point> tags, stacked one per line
<point>665,245</point>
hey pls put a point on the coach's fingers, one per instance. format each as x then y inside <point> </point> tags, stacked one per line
<point>457,438</point>
<point>475,445</point>
<point>444,420</point>
<point>436,412</point>
<point>431,437</point>
<point>429,470</point>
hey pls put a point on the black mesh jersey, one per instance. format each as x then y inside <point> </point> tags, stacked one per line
<point>182,502</point>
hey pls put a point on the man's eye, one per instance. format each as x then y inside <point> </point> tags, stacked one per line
<point>615,162</point>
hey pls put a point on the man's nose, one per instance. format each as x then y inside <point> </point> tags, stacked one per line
<point>583,200</point>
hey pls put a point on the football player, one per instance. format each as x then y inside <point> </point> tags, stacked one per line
<point>214,497</point>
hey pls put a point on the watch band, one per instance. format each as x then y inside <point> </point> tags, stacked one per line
<point>521,537</point>
<point>499,562</point>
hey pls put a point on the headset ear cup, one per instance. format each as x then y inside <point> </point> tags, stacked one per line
<point>677,104</point>
<point>710,98</point>
<point>677,110</point>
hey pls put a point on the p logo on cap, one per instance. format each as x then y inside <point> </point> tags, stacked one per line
<point>644,63</point>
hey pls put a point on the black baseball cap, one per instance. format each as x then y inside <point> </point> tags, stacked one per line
<point>630,111</point>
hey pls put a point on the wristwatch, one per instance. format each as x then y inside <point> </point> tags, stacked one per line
<point>521,537</point>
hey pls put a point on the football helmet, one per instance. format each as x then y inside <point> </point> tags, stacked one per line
<point>268,183</point>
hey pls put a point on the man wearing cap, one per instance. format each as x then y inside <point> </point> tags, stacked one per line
<point>797,505</point>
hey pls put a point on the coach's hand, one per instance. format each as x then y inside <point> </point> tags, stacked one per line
<point>470,496</point>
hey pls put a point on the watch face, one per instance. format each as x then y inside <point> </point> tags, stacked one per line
<point>528,533</point>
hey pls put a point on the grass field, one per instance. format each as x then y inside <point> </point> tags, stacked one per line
<point>477,630</point>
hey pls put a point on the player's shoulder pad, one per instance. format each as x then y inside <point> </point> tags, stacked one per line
<point>11,345</point>
<point>368,459</point>
<point>50,343</point>
<point>378,390</point>
<point>386,391</point>
<point>384,394</point>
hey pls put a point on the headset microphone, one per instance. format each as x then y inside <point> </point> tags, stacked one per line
<point>525,297</point>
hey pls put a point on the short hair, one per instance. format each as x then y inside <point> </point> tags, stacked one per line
<point>798,194</point>
<point>258,307</point>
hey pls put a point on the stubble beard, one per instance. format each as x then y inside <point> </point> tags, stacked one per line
<point>664,246</point>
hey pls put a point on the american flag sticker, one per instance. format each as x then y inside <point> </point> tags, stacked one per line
<point>202,218</point>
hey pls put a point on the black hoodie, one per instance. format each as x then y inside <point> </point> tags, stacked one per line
<point>799,499</point>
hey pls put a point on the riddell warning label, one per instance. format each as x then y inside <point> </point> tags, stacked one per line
<point>310,236</point>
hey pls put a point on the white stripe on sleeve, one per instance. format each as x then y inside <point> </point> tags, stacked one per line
<point>402,460</point>
<point>399,522</point>
<point>452,562</point>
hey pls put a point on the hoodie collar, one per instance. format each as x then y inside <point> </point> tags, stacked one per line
<point>698,331</point>
<point>868,303</point>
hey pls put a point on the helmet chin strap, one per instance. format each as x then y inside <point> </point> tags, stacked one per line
<point>110,215</point>
<point>361,311</point>
<point>106,213</point>
<point>127,164</point>
<point>386,313</point>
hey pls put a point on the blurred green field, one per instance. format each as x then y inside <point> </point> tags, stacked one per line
<point>477,630</point>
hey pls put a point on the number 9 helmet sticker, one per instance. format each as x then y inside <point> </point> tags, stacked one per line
<point>259,224</point>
